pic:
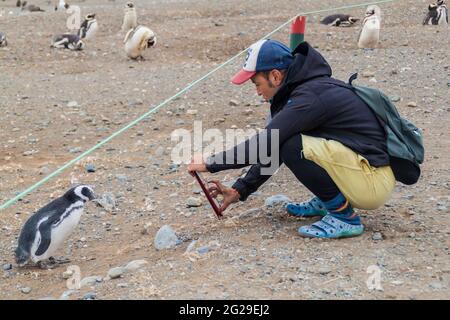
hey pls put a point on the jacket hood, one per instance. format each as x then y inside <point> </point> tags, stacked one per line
<point>308,64</point>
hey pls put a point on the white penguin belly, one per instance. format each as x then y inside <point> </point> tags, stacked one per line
<point>133,46</point>
<point>59,234</point>
<point>91,31</point>
<point>129,20</point>
<point>370,34</point>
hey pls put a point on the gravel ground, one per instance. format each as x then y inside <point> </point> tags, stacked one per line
<point>56,104</point>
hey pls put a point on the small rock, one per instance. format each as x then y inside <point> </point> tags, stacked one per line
<point>89,296</point>
<point>122,285</point>
<point>75,150</point>
<point>72,104</point>
<point>26,290</point>
<point>412,104</point>
<point>44,171</point>
<point>192,112</point>
<point>115,273</point>
<point>107,201</point>
<point>233,103</point>
<point>90,281</point>
<point>436,286</point>
<point>66,294</point>
<point>377,236</point>
<point>67,274</point>
<point>276,200</point>
<point>248,112</point>
<point>122,178</point>
<point>395,98</point>
<point>135,265</point>
<point>324,270</point>
<point>193,202</point>
<point>368,74</point>
<point>202,250</point>
<point>7,266</point>
<point>165,238</point>
<point>90,168</point>
<point>374,80</point>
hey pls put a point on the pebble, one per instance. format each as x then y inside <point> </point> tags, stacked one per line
<point>121,177</point>
<point>67,274</point>
<point>115,273</point>
<point>107,201</point>
<point>192,112</point>
<point>90,168</point>
<point>324,270</point>
<point>412,104</point>
<point>122,285</point>
<point>44,171</point>
<point>368,74</point>
<point>193,202</point>
<point>26,290</point>
<point>276,200</point>
<point>233,103</point>
<point>75,150</point>
<point>135,265</point>
<point>165,238</point>
<point>72,104</point>
<point>90,281</point>
<point>377,236</point>
<point>7,266</point>
<point>395,98</point>
<point>202,250</point>
<point>66,294</point>
<point>436,286</point>
<point>89,296</point>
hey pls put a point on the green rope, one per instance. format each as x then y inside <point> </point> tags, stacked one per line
<point>145,115</point>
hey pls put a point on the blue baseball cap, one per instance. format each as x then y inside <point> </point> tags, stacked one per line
<point>264,55</point>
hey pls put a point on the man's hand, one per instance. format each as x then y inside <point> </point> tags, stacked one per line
<point>197,164</point>
<point>230,195</point>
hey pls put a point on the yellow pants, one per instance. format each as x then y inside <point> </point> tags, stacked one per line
<point>366,187</point>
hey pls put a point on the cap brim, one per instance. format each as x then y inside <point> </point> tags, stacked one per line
<point>242,76</point>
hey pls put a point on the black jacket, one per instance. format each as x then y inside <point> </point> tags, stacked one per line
<point>309,102</point>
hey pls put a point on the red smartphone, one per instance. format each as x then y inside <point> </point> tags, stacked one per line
<point>211,200</point>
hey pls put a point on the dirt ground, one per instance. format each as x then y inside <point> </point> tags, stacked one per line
<point>56,104</point>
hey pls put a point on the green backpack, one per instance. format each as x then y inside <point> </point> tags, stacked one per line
<point>404,139</point>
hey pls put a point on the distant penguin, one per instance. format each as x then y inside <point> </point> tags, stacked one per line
<point>339,20</point>
<point>61,5</point>
<point>137,40</point>
<point>130,17</point>
<point>47,229</point>
<point>89,27</point>
<point>370,32</point>
<point>31,7</point>
<point>437,14</point>
<point>3,42</point>
<point>67,41</point>
<point>18,3</point>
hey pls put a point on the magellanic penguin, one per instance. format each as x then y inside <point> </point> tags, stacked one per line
<point>47,229</point>
<point>437,14</point>
<point>370,32</point>
<point>89,27</point>
<point>67,41</point>
<point>31,7</point>
<point>3,42</point>
<point>61,5</point>
<point>130,17</point>
<point>339,20</point>
<point>137,40</point>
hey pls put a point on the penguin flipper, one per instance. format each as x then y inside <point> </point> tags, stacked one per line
<point>46,234</point>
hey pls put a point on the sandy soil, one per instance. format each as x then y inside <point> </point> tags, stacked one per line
<point>256,251</point>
